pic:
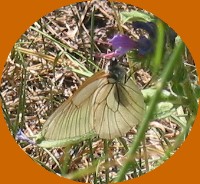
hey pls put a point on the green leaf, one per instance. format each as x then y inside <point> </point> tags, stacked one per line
<point>178,88</point>
<point>136,16</point>
<point>196,89</point>
<point>163,109</point>
<point>41,142</point>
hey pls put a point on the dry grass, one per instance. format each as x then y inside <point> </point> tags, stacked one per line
<point>49,62</point>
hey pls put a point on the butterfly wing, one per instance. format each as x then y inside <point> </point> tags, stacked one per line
<point>109,109</point>
<point>118,108</point>
<point>73,119</point>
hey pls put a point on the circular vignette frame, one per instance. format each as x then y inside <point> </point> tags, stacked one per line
<point>17,16</point>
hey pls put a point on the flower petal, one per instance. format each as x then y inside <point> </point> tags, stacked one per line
<point>122,44</point>
<point>145,45</point>
<point>20,136</point>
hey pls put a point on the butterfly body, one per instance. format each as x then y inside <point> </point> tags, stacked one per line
<point>108,104</point>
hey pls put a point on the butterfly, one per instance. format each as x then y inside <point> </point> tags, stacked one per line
<point>108,104</point>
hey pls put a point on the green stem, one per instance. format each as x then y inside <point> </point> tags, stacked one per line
<point>80,173</point>
<point>92,35</point>
<point>66,161</point>
<point>145,155</point>
<point>156,61</point>
<point>174,58</point>
<point>92,159</point>
<point>189,92</point>
<point>22,96</point>
<point>106,160</point>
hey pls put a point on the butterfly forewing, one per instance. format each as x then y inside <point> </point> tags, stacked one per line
<point>73,118</point>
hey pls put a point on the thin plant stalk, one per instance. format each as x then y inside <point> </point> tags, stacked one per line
<point>174,58</point>
<point>159,47</point>
<point>92,159</point>
<point>189,92</point>
<point>106,160</point>
<point>83,172</point>
<point>22,96</point>
<point>65,163</point>
<point>92,35</point>
<point>145,155</point>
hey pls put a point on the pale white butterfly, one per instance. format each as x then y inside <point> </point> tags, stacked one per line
<point>108,104</point>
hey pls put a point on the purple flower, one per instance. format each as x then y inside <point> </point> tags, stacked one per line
<point>121,45</point>
<point>145,46</point>
<point>20,136</point>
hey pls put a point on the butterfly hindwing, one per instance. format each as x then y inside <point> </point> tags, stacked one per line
<point>118,108</point>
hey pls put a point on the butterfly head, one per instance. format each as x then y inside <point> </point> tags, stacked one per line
<point>116,72</point>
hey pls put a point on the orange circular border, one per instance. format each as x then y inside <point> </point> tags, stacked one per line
<point>17,16</point>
